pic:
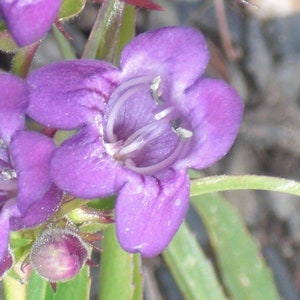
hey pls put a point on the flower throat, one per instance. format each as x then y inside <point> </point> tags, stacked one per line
<point>165,125</point>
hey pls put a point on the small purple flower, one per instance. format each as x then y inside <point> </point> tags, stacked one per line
<point>139,128</point>
<point>27,194</point>
<point>29,20</point>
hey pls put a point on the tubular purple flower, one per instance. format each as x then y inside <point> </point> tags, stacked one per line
<point>29,20</point>
<point>139,128</point>
<point>27,193</point>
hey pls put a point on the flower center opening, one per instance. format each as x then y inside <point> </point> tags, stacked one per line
<point>8,185</point>
<point>8,177</point>
<point>144,130</point>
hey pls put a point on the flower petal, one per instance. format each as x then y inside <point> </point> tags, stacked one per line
<point>5,264</point>
<point>13,102</point>
<point>179,54</point>
<point>27,20</point>
<point>4,235</point>
<point>9,210</point>
<point>31,152</point>
<point>149,211</point>
<point>68,94</point>
<point>214,111</point>
<point>82,167</point>
<point>39,211</point>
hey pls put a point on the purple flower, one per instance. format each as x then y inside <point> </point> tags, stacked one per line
<point>27,194</point>
<point>29,20</point>
<point>139,127</point>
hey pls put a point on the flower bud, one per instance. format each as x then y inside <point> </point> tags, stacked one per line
<point>58,255</point>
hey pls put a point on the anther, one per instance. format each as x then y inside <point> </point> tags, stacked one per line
<point>156,91</point>
<point>8,173</point>
<point>181,132</point>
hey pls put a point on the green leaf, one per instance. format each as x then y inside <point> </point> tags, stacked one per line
<point>92,227</point>
<point>76,288</point>
<point>127,30</point>
<point>120,274</point>
<point>20,242</point>
<point>137,278</point>
<point>107,203</point>
<point>37,287</point>
<point>7,44</point>
<point>243,271</point>
<point>71,8</point>
<point>64,45</point>
<point>23,58</point>
<point>192,271</point>
<point>104,35</point>
<point>244,182</point>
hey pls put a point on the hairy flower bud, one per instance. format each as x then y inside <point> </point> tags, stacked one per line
<point>58,255</point>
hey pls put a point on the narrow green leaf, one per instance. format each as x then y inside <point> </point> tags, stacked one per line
<point>244,182</point>
<point>20,242</point>
<point>107,203</point>
<point>64,45</point>
<point>76,288</point>
<point>127,30</point>
<point>243,270</point>
<point>137,278</point>
<point>103,37</point>
<point>23,58</point>
<point>71,8</point>
<point>192,271</point>
<point>36,288</point>
<point>120,275</point>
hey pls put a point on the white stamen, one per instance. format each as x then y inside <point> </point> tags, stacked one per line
<point>128,150</point>
<point>131,147</point>
<point>160,165</point>
<point>141,137</point>
<point>156,91</point>
<point>162,114</point>
<point>128,88</point>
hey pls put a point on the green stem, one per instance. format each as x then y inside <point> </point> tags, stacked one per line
<point>102,40</point>
<point>244,182</point>
<point>13,289</point>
